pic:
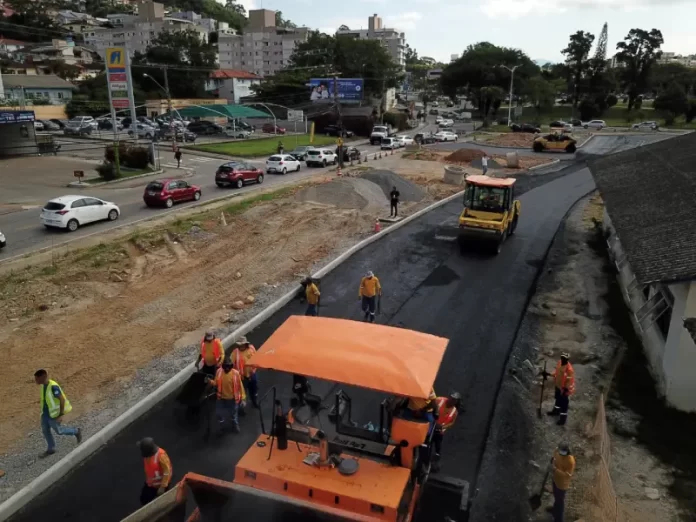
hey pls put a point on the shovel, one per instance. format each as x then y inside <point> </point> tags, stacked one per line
<point>541,397</point>
<point>535,500</point>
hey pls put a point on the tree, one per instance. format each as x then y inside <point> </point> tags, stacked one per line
<point>479,68</point>
<point>191,61</point>
<point>37,24</point>
<point>490,98</point>
<point>664,74</point>
<point>691,111</point>
<point>672,103</point>
<point>638,53</point>
<point>282,22</point>
<point>577,59</point>
<point>541,93</point>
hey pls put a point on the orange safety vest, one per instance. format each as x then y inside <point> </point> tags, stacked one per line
<point>564,377</point>
<point>153,469</point>
<point>445,416</point>
<point>229,385</point>
<point>239,361</point>
<point>212,350</point>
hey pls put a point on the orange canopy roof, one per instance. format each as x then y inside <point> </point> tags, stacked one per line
<point>491,182</point>
<point>382,358</point>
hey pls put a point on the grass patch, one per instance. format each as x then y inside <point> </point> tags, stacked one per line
<point>125,174</point>
<point>263,146</point>
<point>617,116</point>
<point>241,206</point>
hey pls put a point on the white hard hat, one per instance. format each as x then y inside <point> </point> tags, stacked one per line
<point>370,274</point>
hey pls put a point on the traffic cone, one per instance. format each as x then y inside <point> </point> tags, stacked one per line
<point>223,221</point>
<point>378,226</point>
<point>339,170</point>
<point>392,153</point>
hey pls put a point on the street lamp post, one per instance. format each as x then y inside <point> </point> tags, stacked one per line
<point>168,94</point>
<point>512,79</point>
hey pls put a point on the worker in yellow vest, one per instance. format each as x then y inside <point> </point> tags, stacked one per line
<point>54,404</point>
<point>447,409</point>
<point>240,356</point>
<point>158,470</point>
<point>230,396</point>
<point>370,291</point>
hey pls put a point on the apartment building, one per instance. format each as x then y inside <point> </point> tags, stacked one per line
<point>393,40</point>
<point>231,85</point>
<point>136,34</point>
<point>263,49</point>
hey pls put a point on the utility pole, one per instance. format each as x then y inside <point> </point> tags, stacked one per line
<point>340,123</point>
<point>169,108</point>
<point>512,79</point>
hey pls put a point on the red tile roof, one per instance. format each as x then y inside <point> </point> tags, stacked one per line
<point>10,41</point>
<point>222,74</point>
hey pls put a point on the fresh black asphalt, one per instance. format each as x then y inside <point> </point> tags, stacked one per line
<point>475,300</point>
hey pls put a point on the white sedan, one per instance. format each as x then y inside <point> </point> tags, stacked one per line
<point>446,123</point>
<point>439,120</point>
<point>404,140</point>
<point>71,212</point>
<point>3,241</point>
<point>446,136</point>
<point>282,164</point>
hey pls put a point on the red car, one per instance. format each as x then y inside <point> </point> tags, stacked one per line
<point>269,128</point>
<point>166,192</point>
<point>237,173</point>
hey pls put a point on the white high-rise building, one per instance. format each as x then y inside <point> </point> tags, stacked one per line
<point>392,39</point>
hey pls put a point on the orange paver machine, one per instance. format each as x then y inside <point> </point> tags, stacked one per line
<point>317,463</point>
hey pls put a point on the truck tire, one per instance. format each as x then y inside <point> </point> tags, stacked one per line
<point>538,147</point>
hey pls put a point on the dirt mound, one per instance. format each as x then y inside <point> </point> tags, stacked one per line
<point>521,140</point>
<point>353,193</point>
<point>465,156</point>
<point>386,180</point>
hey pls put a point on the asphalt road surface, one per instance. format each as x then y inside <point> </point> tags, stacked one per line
<point>475,300</point>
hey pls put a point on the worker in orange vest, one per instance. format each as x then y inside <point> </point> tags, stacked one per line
<point>158,470</point>
<point>447,409</point>
<point>241,355</point>
<point>212,354</point>
<point>230,396</point>
<point>564,379</point>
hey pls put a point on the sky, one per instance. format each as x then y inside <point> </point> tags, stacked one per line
<point>440,28</point>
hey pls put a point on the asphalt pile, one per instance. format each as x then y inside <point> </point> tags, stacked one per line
<point>387,180</point>
<point>347,193</point>
<point>472,157</point>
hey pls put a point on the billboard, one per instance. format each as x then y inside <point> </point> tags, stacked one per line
<point>16,116</point>
<point>116,67</point>
<point>348,90</point>
<point>295,115</point>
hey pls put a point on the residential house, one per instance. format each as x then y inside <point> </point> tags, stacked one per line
<point>23,88</point>
<point>9,46</point>
<point>46,58</point>
<point>263,49</point>
<point>232,85</point>
<point>392,39</point>
<point>650,225</point>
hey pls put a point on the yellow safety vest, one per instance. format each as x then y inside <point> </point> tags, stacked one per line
<point>53,402</point>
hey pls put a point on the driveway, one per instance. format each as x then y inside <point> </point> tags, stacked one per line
<point>475,301</point>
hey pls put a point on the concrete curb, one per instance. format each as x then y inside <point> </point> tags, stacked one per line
<point>586,141</point>
<point>83,185</point>
<point>44,481</point>
<point>544,165</point>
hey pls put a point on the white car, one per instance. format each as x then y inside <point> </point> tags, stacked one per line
<point>38,125</point>
<point>595,124</point>
<point>282,164</point>
<point>446,123</point>
<point>71,212</point>
<point>652,125</point>
<point>236,132</point>
<point>321,157</point>
<point>404,140</point>
<point>3,241</point>
<point>446,136</point>
<point>85,121</point>
<point>439,120</point>
<point>144,131</point>
<point>389,144</point>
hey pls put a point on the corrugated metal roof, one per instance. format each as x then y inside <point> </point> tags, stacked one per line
<point>39,81</point>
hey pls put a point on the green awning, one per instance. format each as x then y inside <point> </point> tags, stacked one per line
<point>219,111</point>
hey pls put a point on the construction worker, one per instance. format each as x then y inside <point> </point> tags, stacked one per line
<point>447,409</point>
<point>212,354</point>
<point>158,470</point>
<point>563,464</point>
<point>230,396</point>
<point>54,404</point>
<point>312,294</point>
<point>370,290</point>
<point>240,356</point>
<point>564,378</point>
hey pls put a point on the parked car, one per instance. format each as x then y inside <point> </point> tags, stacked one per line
<point>335,130</point>
<point>561,125</point>
<point>3,240</point>
<point>349,153</point>
<point>282,164</point>
<point>435,104</point>
<point>439,119</point>
<point>178,133</point>
<point>61,123</point>
<point>269,128</point>
<point>106,123</point>
<point>239,124</point>
<point>446,136</point>
<point>576,123</point>
<point>204,127</point>
<point>71,212</point>
<point>424,139</point>
<point>595,124</point>
<point>77,129</point>
<point>321,158</point>
<point>38,125</point>
<point>525,127</point>
<point>652,125</point>
<point>300,153</point>
<point>237,173</point>
<point>146,121</point>
<point>166,192</point>
<point>389,144</point>
<point>445,124</point>
<point>433,112</point>
<point>84,120</point>
<point>48,125</point>
<point>405,140</point>
<point>144,131</point>
<point>555,142</point>
<point>237,132</point>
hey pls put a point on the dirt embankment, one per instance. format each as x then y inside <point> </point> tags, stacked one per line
<point>471,158</point>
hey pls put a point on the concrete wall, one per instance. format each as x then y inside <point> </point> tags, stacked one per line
<point>17,138</point>
<point>672,359</point>
<point>43,112</point>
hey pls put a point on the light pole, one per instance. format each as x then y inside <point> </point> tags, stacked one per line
<point>275,121</point>
<point>512,79</point>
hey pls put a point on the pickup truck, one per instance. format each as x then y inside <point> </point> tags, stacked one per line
<point>379,132</point>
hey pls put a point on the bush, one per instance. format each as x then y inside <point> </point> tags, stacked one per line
<point>107,171</point>
<point>612,100</point>
<point>691,111</point>
<point>588,109</point>
<point>136,158</point>
<point>109,154</point>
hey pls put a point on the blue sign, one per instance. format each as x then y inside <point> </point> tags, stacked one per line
<point>16,116</point>
<point>349,89</point>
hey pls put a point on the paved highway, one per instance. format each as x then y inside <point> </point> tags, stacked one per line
<point>474,300</point>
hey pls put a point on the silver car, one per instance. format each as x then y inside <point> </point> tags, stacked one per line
<point>144,131</point>
<point>3,241</point>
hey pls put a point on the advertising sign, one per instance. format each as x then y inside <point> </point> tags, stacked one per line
<point>116,65</point>
<point>348,90</point>
<point>294,115</point>
<point>16,116</point>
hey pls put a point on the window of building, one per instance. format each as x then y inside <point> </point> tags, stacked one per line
<point>60,95</point>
